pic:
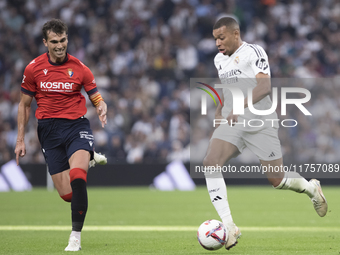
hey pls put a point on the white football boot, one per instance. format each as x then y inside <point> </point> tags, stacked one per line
<point>319,200</point>
<point>73,244</point>
<point>234,233</point>
<point>98,159</point>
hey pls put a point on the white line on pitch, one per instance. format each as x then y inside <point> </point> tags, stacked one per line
<point>162,228</point>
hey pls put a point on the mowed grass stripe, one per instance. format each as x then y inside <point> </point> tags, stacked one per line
<point>164,228</point>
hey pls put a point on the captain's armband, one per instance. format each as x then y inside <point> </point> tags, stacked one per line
<point>95,100</point>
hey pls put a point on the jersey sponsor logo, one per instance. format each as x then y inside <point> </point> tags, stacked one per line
<point>230,76</point>
<point>230,73</point>
<point>70,72</point>
<point>45,71</point>
<point>23,79</point>
<point>261,63</point>
<point>237,60</point>
<point>56,85</point>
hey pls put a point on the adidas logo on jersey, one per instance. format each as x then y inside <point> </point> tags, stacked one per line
<point>272,155</point>
<point>216,199</point>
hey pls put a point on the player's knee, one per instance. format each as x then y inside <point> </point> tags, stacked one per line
<point>78,173</point>
<point>67,197</point>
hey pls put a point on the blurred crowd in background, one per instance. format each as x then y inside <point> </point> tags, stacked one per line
<point>143,54</point>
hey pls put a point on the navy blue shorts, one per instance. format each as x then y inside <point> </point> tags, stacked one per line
<point>60,138</point>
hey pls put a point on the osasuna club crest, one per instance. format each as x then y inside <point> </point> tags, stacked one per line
<point>70,72</point>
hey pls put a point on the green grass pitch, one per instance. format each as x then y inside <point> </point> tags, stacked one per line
<point>144,221</point>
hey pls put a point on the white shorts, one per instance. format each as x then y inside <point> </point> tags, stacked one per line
<point>265,143</point>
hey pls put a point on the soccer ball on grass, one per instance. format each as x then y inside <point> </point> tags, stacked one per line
<point>212,234</point>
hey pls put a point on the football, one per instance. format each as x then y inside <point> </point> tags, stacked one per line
<point>212,234</point>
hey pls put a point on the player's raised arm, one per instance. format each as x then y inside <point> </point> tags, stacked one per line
<point>24,109</point>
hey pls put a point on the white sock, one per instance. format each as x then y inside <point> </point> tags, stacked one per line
<point>76,234</point>
<point>218,195</point>
<point>295,182</point>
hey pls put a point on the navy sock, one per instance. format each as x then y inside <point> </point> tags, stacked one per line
<point>78,204</point>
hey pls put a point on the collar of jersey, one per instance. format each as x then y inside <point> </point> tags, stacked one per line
<point>239,48</point>
<point>57,64</point>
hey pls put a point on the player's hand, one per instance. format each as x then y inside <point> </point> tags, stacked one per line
<point>101,111</point>
<point>232,119</point>
<point>20,150</point>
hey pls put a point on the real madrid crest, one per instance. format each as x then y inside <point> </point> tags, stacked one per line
<point>70,72</point>
<point>237,60</point>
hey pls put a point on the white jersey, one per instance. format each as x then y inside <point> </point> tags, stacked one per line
<point>240,69</point>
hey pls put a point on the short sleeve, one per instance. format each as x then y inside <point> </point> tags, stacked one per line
<point>258,60</point>
<point>28,85</point>
<point>89,82</point>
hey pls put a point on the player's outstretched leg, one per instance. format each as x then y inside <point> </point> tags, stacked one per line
<point>319,200</point>
<point>98,158</point>
<point>79,205</point>
<point>218,195</point>
<point>294,181</point>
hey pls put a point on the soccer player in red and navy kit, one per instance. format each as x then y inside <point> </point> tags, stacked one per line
<point>55,80</point>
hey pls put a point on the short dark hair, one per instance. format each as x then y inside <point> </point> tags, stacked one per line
<point>228,22</point>
<point>55,25</point>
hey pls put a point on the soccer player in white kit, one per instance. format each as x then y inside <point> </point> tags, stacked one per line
<point>246,65</point>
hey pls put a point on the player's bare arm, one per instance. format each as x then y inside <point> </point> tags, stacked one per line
<point>23,116</point>
<point>218,112</point>
<point>262,89</point>
<point>101,107</point>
